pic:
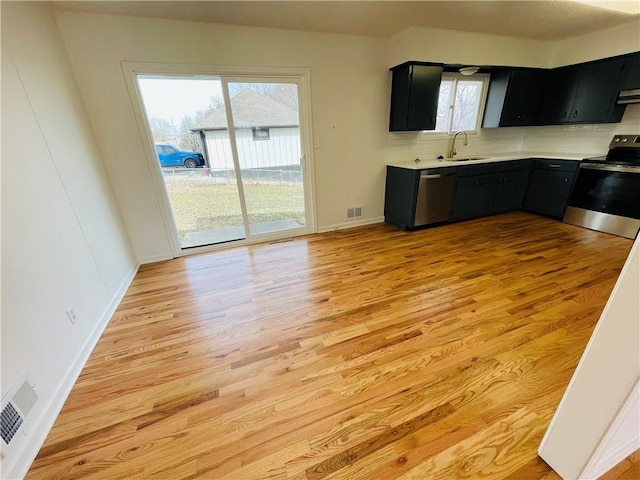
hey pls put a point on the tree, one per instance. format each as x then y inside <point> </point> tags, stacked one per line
<point>161,129</point>
<point>185,136</point>
<point>286,94</point>
<point>467,99</point>
<point>261,88</point>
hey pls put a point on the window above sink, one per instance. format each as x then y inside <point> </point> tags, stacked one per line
<point>460,103</point>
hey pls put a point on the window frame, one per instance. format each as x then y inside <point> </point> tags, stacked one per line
<point>456,77</point>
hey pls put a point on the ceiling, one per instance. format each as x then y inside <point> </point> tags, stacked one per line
<point>539,19</point>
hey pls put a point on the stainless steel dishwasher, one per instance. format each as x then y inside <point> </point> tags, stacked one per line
<point>435,194</point>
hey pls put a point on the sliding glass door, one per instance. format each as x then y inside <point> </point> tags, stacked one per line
<point>266,122</point>
<point>230,151</point>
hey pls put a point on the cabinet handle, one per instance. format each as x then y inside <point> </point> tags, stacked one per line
<point>566,180</point>
<point>555,165</point>
<point>575,114</point>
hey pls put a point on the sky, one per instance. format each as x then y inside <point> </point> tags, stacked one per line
<point>172,99</point>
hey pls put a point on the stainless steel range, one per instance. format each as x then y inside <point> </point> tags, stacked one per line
<point>606,194</point>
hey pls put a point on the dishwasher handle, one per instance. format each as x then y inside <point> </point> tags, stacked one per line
<point>435,175</point>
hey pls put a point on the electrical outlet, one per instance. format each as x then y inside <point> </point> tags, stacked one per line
<point>71,315</point>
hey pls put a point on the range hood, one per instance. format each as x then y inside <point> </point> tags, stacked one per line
<point>629,96</point>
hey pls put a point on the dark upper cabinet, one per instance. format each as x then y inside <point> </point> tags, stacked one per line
<point>514,97</point>
<point>597,93</point>
<point>415,88</point>
<point>559,93</point>
<point>583,93</point>
<point>631,72</point>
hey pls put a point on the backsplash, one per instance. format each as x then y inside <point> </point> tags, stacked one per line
<point>428,145</point>
<point>581,138</point>
<point>593,139</point>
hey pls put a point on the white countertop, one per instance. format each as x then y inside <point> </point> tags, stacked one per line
<point>489,158</point>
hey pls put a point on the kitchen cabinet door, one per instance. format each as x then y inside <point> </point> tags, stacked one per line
<point>511,191</point>
<point>400,196</point>
<point>559,94</point>
<point>583,93</point>
<point>415,88</point>
<point>631,72</point>
<point>549,192</point>
<point>597,92</point>
<point>475,196</point>
<point>514,97</point>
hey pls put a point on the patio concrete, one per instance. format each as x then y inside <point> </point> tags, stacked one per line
<point>229,234</point>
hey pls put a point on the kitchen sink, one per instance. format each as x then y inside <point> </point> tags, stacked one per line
<point>467,159</point>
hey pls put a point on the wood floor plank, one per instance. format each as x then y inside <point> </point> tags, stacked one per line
<point>367,353</point>
<point>493,453</point>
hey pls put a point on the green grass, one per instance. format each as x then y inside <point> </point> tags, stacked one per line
<point>200,204</point>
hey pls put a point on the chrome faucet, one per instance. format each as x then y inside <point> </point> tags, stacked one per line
<point>452,148</point>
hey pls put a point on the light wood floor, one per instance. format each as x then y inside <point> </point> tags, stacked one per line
<point>368,353</point>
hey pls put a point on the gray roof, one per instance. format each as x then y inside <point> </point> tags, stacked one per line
<point>250,109</point>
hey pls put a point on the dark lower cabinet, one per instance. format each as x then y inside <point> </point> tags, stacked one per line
<point>538,185</point>
<point>550,186</point>
<point>475,196</point>
<point>400,196</point>
<point>511,191</point>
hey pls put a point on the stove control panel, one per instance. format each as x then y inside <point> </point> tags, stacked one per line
<point>619,141</point>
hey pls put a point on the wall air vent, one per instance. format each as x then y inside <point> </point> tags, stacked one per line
<point>17,404</point>
<point>10,423</point>
<point>355,212</point>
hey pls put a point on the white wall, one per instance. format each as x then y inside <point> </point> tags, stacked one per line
<point>64,244</point>
<point>428,44</point>
<point>605,43</point>
<point>350,105</point>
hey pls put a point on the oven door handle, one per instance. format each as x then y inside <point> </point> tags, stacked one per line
<point>610,168</point>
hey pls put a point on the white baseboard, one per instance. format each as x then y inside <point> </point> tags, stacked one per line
<point>155,258</point>
<point>350,224</point>
<point>42,425</point>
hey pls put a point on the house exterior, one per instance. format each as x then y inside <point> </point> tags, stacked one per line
<point>267,133</point>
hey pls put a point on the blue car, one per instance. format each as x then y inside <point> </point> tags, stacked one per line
<point>171,156</point>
